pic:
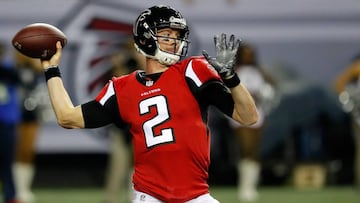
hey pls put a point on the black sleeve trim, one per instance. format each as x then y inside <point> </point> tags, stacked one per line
<point>216,94</point>
<point>95,115</point>
<point>213,93</point>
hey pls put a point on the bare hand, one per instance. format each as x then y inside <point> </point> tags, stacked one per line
<point>55,59</point>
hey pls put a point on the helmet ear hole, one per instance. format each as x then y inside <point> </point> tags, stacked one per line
<point>142,42</point>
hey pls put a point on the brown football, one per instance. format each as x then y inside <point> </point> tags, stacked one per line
<point>38,40</point>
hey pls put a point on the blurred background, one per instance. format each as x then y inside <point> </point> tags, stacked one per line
<point>303,44</point>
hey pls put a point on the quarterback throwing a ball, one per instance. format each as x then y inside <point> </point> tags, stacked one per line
<point>165,106</point>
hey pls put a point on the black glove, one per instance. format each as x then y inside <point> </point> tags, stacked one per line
<point>225,59</point>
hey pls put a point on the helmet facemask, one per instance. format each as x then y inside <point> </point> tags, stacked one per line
<point>169,57</point>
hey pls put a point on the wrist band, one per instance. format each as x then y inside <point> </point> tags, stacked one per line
<point>232,82</point>
<point>52,71</point>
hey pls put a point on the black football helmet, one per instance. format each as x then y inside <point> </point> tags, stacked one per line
<point>145,33</point>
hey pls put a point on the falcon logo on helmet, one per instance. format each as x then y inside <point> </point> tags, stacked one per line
<point>146,27</point>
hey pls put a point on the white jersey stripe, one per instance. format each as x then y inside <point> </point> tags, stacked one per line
<point>192,75</point>
<point>109,92</point>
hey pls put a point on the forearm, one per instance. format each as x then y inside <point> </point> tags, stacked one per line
<point>67,115</point>
<point>245,111</point>
<point>244,106</point>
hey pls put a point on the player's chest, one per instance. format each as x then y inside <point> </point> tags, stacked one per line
<point>170,98</point>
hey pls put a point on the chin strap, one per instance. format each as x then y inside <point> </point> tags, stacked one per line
<point>163,57</point>
<point>166,58</point>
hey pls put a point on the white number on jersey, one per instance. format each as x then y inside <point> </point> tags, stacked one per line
<point>166,136</point>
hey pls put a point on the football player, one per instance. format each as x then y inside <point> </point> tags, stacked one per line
<point>164,106</point>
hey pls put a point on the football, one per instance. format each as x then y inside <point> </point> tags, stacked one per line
<point>38,40</point>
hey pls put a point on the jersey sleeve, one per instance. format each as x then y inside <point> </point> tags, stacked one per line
<point>206,85</point>
<point>95,115</point>
<point>103,110</point>
<point>106,93</point>
<point>200,71</point>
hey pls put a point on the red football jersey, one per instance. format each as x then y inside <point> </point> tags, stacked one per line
<point>170,137</point>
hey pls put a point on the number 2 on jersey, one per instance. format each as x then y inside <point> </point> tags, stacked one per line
<point>166,136</point>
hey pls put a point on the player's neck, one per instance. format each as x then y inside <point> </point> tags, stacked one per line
<point>153,66</point>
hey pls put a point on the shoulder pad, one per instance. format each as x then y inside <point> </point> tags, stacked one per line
<point>200,71</point>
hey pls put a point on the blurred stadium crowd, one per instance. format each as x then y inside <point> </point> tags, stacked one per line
<point>308,138</point>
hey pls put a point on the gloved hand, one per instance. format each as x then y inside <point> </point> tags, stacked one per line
<point>225,59</point>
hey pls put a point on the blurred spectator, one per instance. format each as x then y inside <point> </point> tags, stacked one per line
<point>347,86</point>
<point>307,129</point>
<point>30,75</point>
<point>118,178</point>
<point>9,119</point>
<point>262,87</point>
